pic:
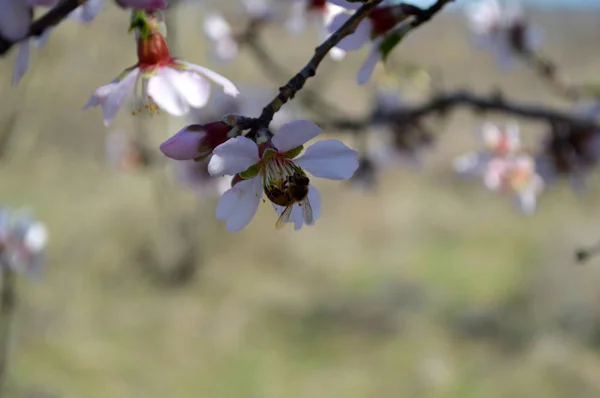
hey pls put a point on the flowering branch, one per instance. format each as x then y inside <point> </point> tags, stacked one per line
<point>48,20</point>
<point>494,103</point>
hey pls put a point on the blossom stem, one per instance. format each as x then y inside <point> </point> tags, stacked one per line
<point>8,301</point>
<point>297,82</point>
<point>48,20</point>
<point>495,103</point>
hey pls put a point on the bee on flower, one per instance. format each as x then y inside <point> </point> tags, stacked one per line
<point>275,169</point>
<point>158,80</point>
<point>22,242</point>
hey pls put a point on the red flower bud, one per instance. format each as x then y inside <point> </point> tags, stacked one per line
<point>153,50</point>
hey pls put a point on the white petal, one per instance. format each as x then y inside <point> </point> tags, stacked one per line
<point>42,39</point>
<point>296,24</point>
<point>346,4</point>
<point>367,68</point>
<point>117,95</point>
<point>233,156</point>
<point>527,201</point>
<point>238,205</point>
<point>357,39</point>
<point>21,62</point>
<point>314,198</point>
<point>329,159</point>
<point>337,54</point>
<point>194,89</point>
<point>216,27</point>
<point>293,134</point>
<point>162,90</point>
<point>228,86</point>
<point>296,216</point>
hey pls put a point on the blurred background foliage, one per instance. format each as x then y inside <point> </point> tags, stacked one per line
<point>426,286</point>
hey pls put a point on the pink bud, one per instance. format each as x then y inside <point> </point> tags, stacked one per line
<point>195,141</point>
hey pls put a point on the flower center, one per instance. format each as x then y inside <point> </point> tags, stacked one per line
<point>384,19</point>
<point>284,183</point>
<point>153,51</point>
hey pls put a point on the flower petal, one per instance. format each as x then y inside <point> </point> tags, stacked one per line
<point>239,204</point>
<point>162,90</point>
<point>357,39</point>
<point>329,159</point>
<point>192,87</point>
<point>295,133</point>
<point>185,145</point>
<point>21,62</point>
<point>233,156</point>
<point>88,11</point>
<point>228,86</point>
<point>346,4</point>
<point>116,96</point>
<point>366,70</point>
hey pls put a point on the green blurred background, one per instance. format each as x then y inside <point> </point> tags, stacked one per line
<point>428,286</point>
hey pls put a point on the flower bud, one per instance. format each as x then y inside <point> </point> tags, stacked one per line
<point>195,141</point>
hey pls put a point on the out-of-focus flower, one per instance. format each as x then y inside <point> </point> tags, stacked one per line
<point>194,175</point>
<point>275,169</point>
<point>318,14</point>
<point>497,143</point>
<point>373,29</point>
<point>196,141</point>
<point>22,241</point>
<point>125,153</point>
<point>515,175</point>
<point>224,44</point>
<point>158,81</point>
<point>502,28</point>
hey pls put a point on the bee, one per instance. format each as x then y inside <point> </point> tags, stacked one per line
<point>294,189</point>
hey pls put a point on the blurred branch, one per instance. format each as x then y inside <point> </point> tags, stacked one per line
<point>48,20</point>
<point>445,102</point>
<point>8,301</point>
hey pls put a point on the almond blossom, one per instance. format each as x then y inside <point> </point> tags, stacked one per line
<point>275,169</point>
<point>196,141</point>
<point>503,28</point>
<point>158,81</point>
<point>498,143</point>
<point>373,29</point>
<point>22,241</point>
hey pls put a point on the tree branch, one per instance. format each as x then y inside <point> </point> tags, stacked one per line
<point>493,103</point>
<point>48,20</point>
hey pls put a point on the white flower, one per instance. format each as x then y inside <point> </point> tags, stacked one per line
<point>159,81</point>
<point>224,45</point>
<point>502,28</point>
<point>277,171</point>
<point>373,29</point>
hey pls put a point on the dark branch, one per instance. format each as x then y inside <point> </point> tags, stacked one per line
<point>48,20</point>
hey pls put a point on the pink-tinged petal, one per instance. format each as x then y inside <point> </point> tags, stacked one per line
<point>21,62</point>
<point>117,95</point>
<point>329,159</point>
<point>99,96</point>
<point>293,134</point>
<point>239,204</point>
<point>346,4</point>
<point>15,18</point>
<point>163,92</point>
<point>185,145</point>
<point>366,70</point>
<point>88,11</point>
<point>357,39</point>
<point>233,156</point>
<point>228,87</point>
